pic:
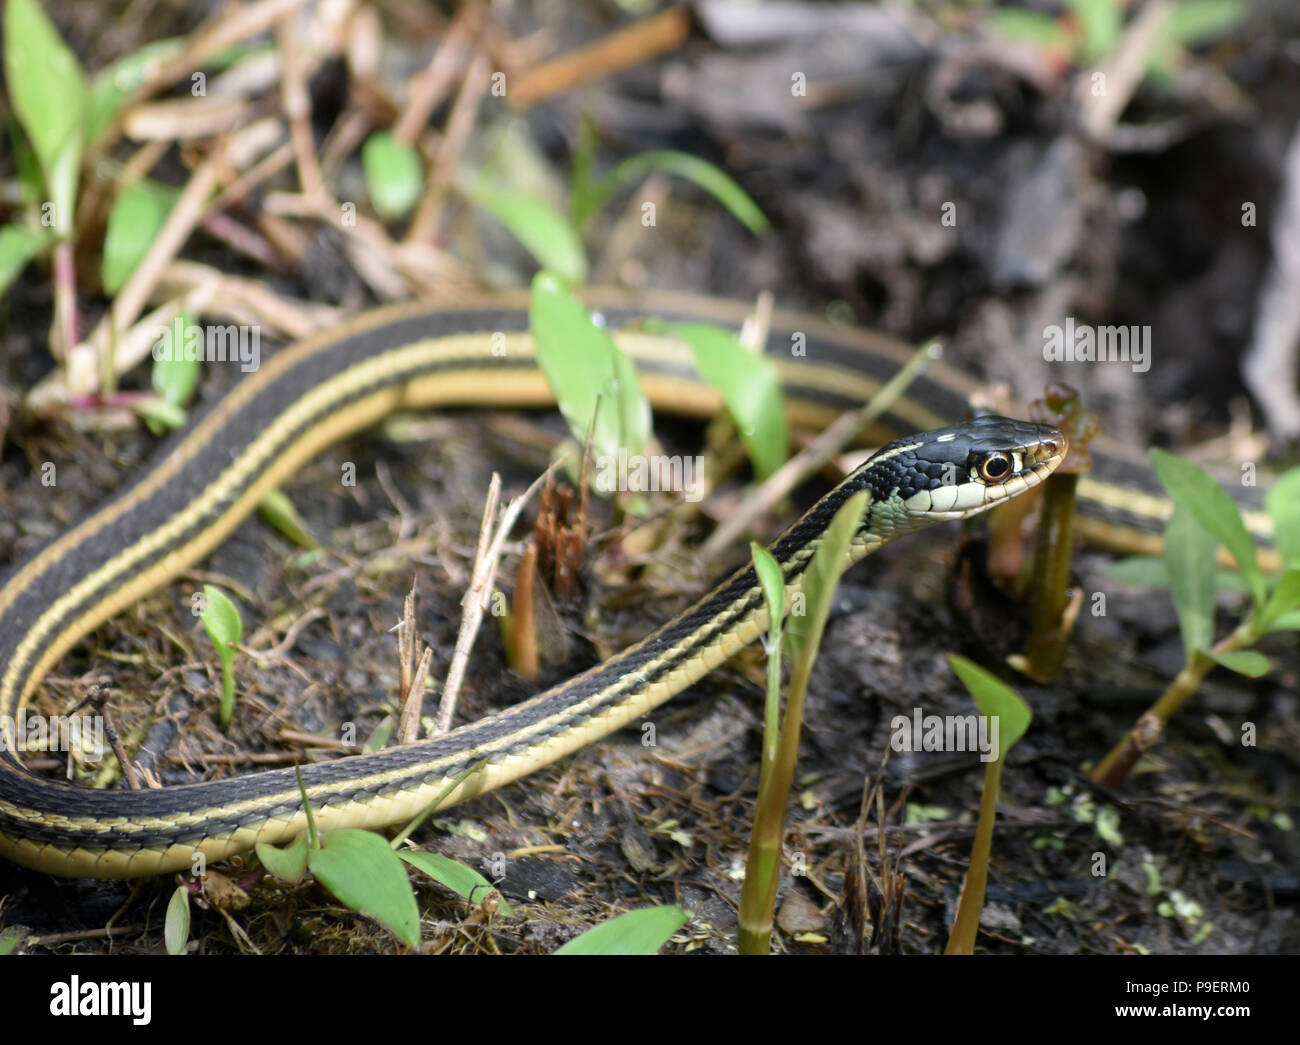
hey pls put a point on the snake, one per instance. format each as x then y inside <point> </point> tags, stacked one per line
<point>210,475</point>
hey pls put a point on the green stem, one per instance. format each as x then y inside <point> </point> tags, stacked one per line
<point>1145,733</point>
<point>967,923</point>
<point>1045,652</point>
<point>758,894</point>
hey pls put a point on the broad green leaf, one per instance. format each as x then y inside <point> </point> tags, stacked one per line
<point>111,86</point>
<point>1214,509</point>
<point>749,386</point>
<point>9,942</point>
<point>1189,562</point>
<point>175,376</point>
<point>1285,598</point>
<point>461,880</point>
<point>1248,662</point>
<point>1141,571</point>
<point>1015,23</point>
<point>544,231</point>
<point>1189,23</point>
<point>161,416</point>
<point>394,179</point>
<point>383,733</point>
<point>637,932</point>
<point>1192,22</point>
<point>995,699</point>
<point>18,245</point>
<point>803,632</point>
<point>283,514</point>
<point>704,174</point>
<point>1283,503</point>
<point>31,178</point>
<point>221,618</point>
<point>48,94</point>
<point>133,225</point>
<point>359,868</point>
<point>288,863</point>
<point>586,370</point>
<point>1148,571</point>
<point>176,925</point>
<point>1101,21</point>
<point>1287,622</point>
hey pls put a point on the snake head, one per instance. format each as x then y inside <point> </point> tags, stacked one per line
<point>952,473</point>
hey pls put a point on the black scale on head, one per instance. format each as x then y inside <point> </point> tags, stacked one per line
<point>906,473</point>
<point>926,467</point>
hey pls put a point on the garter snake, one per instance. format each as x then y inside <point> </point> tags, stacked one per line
<point>210,476</point>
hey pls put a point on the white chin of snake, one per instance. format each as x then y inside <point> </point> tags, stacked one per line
<point>957,500</point>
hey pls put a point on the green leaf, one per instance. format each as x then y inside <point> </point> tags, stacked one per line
<point>1192,22</point>
<point>461,880</point>
<point>772,583</point>
<point>582,189</point>
<point>749,386</point>
<point>31,178</point>
<point>803,632</point>
<point>1287,622</point>
<point>1141,571</point>
<point>1107,826</point>
<point>1283,503</point>
<point>1248,662</point>
<point>394,179</point>
<point>175,376</point>
<point>1189,23</point>
<point>1014,23</point>
<point>111,86</point>
<point>585,370</point>
<point>1101,21</point>
<point>1285,598</point>
<point>176,925</point>
<point>48,94</point>
<point>281,513</point>
<point>288,863</point>
<point>313,836</point>
<point>359,868</point>
<point>221,618</point>
<point>544,231</point>
<point>1214,509</point>
<point>1148,571</point>
<point>770,579</point>
<point>133,225</point>
<point>161,417</point>
<point>9,942</point>
<point>704,174</point>
<point>18,245</point>
<point>383,733</point>
<point>996,700</point>
<point>637,932</point>
<point>1189,562</point>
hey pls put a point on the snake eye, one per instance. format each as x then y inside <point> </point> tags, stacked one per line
<point>995,468</point>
